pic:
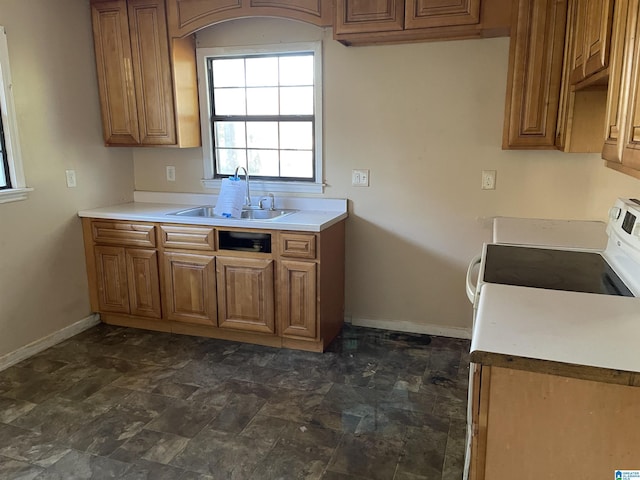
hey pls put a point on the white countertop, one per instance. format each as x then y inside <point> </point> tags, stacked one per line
<point>553,233</point>
<point>314,215</point>
<point>600,331</point>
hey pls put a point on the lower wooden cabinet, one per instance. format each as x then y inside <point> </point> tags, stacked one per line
<point>189,288</point>
<point>245,294</point>
<point>291,295</point>
<point>530,425</point>
<point>128,281</point>
<point>298,298</point>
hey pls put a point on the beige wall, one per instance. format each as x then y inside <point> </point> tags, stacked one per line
<point>426,119</point>
<point>43,285</point>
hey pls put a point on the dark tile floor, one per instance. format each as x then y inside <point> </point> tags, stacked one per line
<point>130,404</point>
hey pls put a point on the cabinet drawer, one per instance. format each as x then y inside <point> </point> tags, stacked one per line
<point>298,245</point>
<point>187,237</point>
<point>124,233</point>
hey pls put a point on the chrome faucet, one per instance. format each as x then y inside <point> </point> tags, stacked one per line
<point>268,196</point>
<point>247,195</point>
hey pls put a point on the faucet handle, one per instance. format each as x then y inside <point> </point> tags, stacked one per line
<point>271,198</point>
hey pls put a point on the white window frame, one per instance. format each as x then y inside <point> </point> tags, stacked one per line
<point>257,184</point>
<point>19,189</point>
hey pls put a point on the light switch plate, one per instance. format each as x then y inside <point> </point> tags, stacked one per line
<point>71,178</point>
<point>171,173</point>
<point>360,178</point>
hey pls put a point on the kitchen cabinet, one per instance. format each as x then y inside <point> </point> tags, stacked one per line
<point>380,21</point>
<point>550,113</point>
<point>622,143</point>
<point>189,279</point>
<point>125,279</point>
<point>147,87</point>
<point>188,16</point>
<point>593,24</point>
<point>190,285</point>
<point>531,425</point>
<point>298,298</point>
<point>535,72</point>
<point>246,294</point>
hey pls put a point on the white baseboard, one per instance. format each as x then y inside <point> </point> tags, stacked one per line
<point>411,327</point>
<point>38,346</point>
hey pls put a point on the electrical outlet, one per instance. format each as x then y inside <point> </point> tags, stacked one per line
<point>360,178</point>
<point>488,180</point>
<point>171,173</point>
<point>71,178</point>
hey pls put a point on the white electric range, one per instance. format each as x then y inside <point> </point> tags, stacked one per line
<point>561,302</point>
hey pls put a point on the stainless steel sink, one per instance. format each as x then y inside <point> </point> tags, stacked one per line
<point>247,214</point>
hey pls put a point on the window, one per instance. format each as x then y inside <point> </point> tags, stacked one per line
<point>12,184</point>
<point>5,177</point>
<point>260,109</point>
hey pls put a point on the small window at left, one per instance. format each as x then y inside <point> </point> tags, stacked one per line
<point>12,182</point>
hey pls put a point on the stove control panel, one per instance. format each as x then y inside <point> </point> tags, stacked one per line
<point>623,247</point>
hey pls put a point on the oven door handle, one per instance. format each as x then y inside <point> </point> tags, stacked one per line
<point>471,287</point>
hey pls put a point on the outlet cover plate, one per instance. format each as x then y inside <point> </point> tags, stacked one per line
<point>360,178</point>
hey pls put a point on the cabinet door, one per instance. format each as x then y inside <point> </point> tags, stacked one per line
<point>619,70</point>
<point>115,72</point>
<point>144,282</point>
<point>356,16</point>
<point>597,35</point>
<point>535,71</point>
<point>152,72</point>
<point>441,13</point>
<point>111,271</point>
<point>190,288</point>
<point>298,299</point>
<point>631,152</point>
<point>245,294</point>
<point>579,26</point>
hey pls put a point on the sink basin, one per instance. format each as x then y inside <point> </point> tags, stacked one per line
<point>247,214</point>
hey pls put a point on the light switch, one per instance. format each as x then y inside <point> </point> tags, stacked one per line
<point>71,178</point>
<point>171,173</point>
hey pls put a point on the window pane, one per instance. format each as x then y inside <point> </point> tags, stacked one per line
<point>263,163</point>
<point>262,72</point>
<point>230,134</point>
<point>262,101</point>
<point>296,135</point>
<point>296,101</point>
<point>228,72</point>
<point>228,159</point>
<point>296,70</point>
<point>262,134</point>
<point>296,164</point>
<point>3,178</point>
<point>229,101</point>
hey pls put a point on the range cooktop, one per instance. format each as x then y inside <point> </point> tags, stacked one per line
<point>567,270</point>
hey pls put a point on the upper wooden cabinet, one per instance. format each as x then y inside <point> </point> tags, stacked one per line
<point>188,16</point>
<point>535,72</point>
<point>544,110</point>
<point>592,25</point>
<point>142,103</point>
<point>622,145</point>
<point>441,13</point>
<point>379,21</point>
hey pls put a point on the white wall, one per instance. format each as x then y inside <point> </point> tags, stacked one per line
<point>426,119</point>
<point>43,285</point>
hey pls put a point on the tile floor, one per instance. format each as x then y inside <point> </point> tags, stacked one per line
<point>130,404</point>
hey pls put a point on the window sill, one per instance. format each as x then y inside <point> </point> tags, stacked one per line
<point>266,187</point>
<point>14,194</point>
